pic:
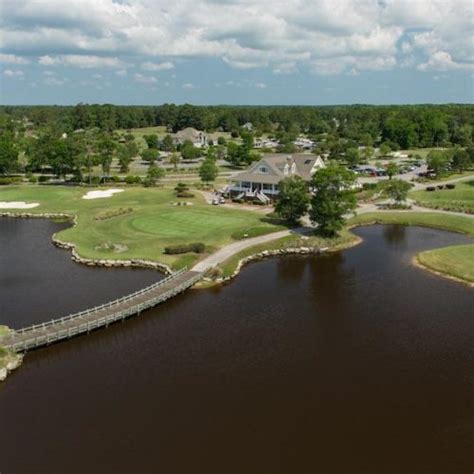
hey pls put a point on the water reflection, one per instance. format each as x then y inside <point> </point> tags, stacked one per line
<point>394,234</point>
<point>292,272</point>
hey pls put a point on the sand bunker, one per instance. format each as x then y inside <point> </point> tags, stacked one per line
<point>18,205</point>
<point>101,194</point>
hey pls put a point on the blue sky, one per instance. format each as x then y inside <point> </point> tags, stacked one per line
<point>236,51</point>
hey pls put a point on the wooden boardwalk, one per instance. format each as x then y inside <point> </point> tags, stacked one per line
<point>100,316</point>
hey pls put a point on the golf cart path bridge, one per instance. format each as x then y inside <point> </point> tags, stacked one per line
<point>55,330</point>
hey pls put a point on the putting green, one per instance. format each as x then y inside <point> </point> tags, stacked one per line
<point>186,221</point>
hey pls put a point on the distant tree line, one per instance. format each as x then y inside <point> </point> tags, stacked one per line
<point>74,140</point>
<point>404,126</point>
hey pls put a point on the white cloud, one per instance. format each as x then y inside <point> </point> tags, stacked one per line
<point>54,81</point>
<point>81,61</point>
<point>188,85</point>
<point>149,66</point>
<point>12,59</point>
<point>140,78</point>
<point>47,61</point>
<point>442,61</point>
<point>327,67</point>
<point>328,36</point>
<point>13,73</point>
<point>285,68</point>
<point>260,85</point>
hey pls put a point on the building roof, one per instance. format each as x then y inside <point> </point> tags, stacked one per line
<point>189,133</point>
<point>275,163</point>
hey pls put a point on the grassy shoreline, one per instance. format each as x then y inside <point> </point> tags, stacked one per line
<point>455,262</point>
<point>345,240</point>
<point>453,223</point>
<point>8,360</point>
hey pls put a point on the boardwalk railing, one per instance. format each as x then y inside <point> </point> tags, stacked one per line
<point>86,312</point>
<point>64,328</point>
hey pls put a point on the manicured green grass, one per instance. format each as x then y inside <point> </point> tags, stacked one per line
<point>421,152</point>
<point>456,261</point>
<point>143,233</point>
<point>461,224</point>
<point>460,199</point>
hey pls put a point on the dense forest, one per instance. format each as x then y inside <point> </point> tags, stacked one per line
<point>38,138</point>
<point>407,126</point>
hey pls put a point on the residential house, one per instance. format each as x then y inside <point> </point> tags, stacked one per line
<point>304,143</point>
<point>265,143</point>
<point>248,126</point>
<point>197,138</point>
<point>261,180</point>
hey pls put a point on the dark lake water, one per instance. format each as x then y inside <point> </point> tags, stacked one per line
<point>356,362</point>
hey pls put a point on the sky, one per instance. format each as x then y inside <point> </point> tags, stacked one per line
<point>310,52</point>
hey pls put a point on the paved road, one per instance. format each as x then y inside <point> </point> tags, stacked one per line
<point>413,175</point>
<point>226,252</point>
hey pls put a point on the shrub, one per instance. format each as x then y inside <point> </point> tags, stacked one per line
<point>181,187</point>
<point>148,182</point>
<point>214,273</point>
<point>94,181</point>
<point>431,188</point>
<point>102,216</point>
<point>197,247</point>
<point>133,180</point>
<point>367,186</point>
<point>450,186</point>
<point>185,194</point>
<point>10,180</point>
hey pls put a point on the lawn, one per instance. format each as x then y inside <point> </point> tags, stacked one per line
<point>421,152</point>
<point>152,224</point>
<point>464,225</point>
<point>456,261</point>
<point>139,132</point>
<point>460,199</point>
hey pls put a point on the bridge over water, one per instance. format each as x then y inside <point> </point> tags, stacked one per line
<point>55,330</point>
